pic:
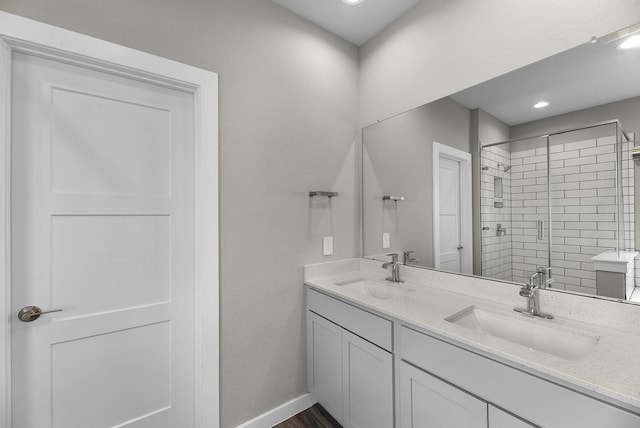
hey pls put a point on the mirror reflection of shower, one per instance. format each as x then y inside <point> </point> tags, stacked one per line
<point>557,201</point>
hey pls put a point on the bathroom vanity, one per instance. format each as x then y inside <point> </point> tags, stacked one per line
<point>448,350</point>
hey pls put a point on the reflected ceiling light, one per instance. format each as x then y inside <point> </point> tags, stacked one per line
<point>620,34</point>
<point>352,2</point>
<point>541,104</point>
<point>630,43</point>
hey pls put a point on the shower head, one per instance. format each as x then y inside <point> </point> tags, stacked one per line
<point>504,167</point>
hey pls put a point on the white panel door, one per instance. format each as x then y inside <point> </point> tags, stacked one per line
<point>427,402</point>
<point>450,218</point>
<point>368,384</point>
<point>102,228</point>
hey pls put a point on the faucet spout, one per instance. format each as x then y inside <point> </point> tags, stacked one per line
<point>395,268</point>
<point>530,291</point>
<point>534,280</point>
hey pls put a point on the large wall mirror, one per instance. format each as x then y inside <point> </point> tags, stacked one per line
<point>489,182</point>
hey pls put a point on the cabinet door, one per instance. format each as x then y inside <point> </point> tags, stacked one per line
<point>324,371</point>
<point>501,419</point>
<point>427,402</point>
<point>368,384</point>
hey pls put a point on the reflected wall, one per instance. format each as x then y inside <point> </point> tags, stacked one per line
<point>397,159</point>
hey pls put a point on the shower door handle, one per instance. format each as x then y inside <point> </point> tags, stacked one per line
<point>540,230</point>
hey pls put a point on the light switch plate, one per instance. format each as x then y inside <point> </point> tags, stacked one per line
<point>385,240</point>
<point>327,245</point>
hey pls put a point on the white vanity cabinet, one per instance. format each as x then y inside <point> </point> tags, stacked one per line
<point>325,363</point>
<point>426,401</point>
<point>367,384</point>
<point>500,419</point>
<point>350,364</point>
<point>467,381</point>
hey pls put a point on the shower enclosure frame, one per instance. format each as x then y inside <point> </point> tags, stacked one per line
<point>619,197</point>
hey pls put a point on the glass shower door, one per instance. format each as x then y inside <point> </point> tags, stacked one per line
<point>584,175</point>
<point>552,203</point>
<point>514,209</point>
<point>530,207</point>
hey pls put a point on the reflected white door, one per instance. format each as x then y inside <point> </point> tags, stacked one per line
<point>102,228</point>
<point>450,216</point>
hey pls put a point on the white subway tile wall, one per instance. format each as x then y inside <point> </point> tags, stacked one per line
<point>496,250</point>
<point>582,181</point>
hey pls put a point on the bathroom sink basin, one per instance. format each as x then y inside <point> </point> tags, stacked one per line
<point>538,334</point>
<point>378,290</point>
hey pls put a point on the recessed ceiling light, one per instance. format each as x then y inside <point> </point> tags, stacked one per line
<point>541,104</point>
<point>630,43</point>
<point>352,2</point>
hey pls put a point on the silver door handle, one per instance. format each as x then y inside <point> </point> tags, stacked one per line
<point>32,313</point>
<point>460,247</point>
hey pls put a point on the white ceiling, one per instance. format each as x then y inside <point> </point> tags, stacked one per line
<point>355,23</point>
<point>582,77</point>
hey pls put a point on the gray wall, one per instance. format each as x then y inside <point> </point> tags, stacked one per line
<point>443,46</point>
<point>398,159</point>
<point>491,129</point>
<point>288,110</point>
<point>628,111</point>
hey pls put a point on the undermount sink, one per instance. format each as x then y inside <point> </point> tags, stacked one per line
<point>376,289</point>
<point>537,334</point>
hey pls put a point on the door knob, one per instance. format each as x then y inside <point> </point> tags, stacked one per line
<point>460,247</point>
<point>32,313</point>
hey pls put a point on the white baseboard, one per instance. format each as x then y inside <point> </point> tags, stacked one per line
<point>281,413</point>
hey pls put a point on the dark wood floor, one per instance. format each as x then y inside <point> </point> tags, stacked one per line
<point>313,417</point>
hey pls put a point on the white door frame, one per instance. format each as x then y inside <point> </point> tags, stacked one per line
<point>466,221</point>
<point>18,34</point>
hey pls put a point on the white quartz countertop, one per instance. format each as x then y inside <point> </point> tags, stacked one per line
<point>611,371</point>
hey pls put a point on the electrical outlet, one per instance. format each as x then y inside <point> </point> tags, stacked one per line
<point>327,245</point>
<point>386,243</point>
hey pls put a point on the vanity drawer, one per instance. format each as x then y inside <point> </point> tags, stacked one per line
<point>537,400</point>
<point>373,328</point>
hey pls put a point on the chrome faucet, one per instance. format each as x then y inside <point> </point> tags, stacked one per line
<point>540,279</point>
<point>407,258</point>
<point>395,268</point>
<point>545,280</point>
